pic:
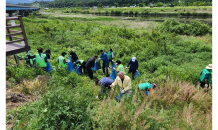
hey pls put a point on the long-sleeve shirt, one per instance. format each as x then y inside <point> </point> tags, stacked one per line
<point>90,62</point>
<point>34,56</point>
<point>104,57</point>
<point>133,65</point>
<point>206,76</point>
<point>48,55</point>
<point>106,81</point>
<point>74,56</point>
<point>125,85</point>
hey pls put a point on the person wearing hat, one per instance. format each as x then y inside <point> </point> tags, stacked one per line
<point>133,66</point>
<point>146,87</point>
<point>205,78</point>
<point>105,83</point>
<point>47,53</point>
<point>120,67</point>
<point>61,60</point>
<point>104,57</point>
<point>41,58</point>
<point>110,56</point>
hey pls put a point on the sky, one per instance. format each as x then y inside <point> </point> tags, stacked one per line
<point>23,1</point>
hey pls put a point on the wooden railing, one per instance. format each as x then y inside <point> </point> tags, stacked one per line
<point>15,32</point>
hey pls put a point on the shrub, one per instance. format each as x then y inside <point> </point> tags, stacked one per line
<point>107,13</point>
<point>159,4</point>
<point>195,28</point>
<point>136,13</point>
<point>130,13</point>
<point>118,13</point>
<point>126,13</point>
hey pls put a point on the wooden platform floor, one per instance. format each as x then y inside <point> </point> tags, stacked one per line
<point>15,48</point>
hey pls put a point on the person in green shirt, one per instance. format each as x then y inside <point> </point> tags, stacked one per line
<point>120,66</point>
<point>110,56</point>
<point>61,60</point>
<point>205,78</point>
<point>40,58</point>
<point>146,87</point>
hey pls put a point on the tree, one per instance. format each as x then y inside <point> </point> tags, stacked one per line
<point>116,5</point>
<point>159,4</point>
<point>141,4</point>
<point>100,5</point>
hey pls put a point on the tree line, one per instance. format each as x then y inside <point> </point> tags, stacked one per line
<point>118,3</point>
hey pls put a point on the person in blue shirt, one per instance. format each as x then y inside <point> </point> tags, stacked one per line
<point>104,57</point>
<point>105,83</point>
<point>133,66</point>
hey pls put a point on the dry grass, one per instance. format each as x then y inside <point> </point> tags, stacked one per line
<point>130,24</point>
<point>195,108</point>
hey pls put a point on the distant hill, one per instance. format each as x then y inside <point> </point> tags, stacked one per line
<point>23,1</point>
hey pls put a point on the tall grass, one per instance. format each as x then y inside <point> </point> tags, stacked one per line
<point>174,105</point>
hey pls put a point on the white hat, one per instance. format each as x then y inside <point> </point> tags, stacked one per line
<point>133,59</point>
<point>209,67</point>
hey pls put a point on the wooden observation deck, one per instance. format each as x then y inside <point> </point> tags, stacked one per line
<point>12,46</point>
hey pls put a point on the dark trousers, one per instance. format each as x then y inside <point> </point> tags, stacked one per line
<point>133,73</point>
<point>110,61</point>
<point>105,65</point>
<point>82,66</point>
<point>203,85</point>
<point>90,72</point>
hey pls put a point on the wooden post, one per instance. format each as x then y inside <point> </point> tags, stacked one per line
<point>8,31</point>
<point>16,59</point>
<point>23,30</point>
<point>6,60</point>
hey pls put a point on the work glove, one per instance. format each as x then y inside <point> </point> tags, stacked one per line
<point>206,85</point>
<point>114,68</point>
<point>113,60</point>
<point>126,67</point>
<point>99,58</point>
<point>97,97</point>
<point>28,53</point>
<point>136,70</point>
<point>122,91</point>
<point>68,61</point>
<point>74,62</point>
<point>111,86</point>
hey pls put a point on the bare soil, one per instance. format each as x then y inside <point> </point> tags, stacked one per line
<point>14,100</point>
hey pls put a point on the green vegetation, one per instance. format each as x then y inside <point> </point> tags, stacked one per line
<point>126,3</point>
<point>143,12</point>
<point>170,58</point>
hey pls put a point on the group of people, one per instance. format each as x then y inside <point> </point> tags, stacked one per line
<point>122,80</point>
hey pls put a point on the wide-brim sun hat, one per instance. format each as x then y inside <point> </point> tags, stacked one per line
<point>209,67</point>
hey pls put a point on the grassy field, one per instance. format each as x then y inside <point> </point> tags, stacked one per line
<point>170,54</point>
<point>191,9</point>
